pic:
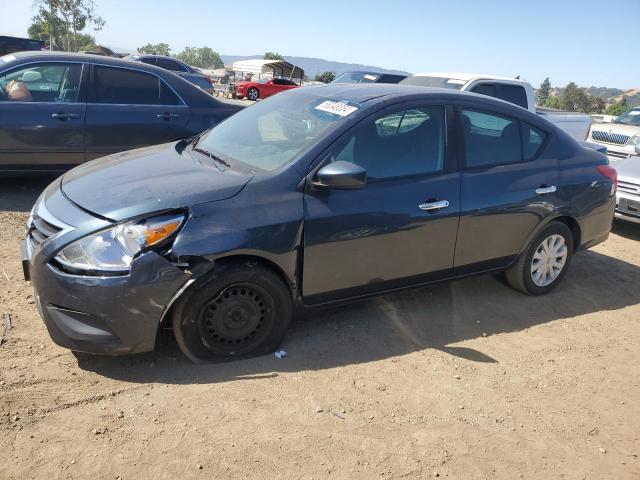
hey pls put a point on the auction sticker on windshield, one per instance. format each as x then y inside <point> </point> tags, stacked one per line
<point>337,108</point>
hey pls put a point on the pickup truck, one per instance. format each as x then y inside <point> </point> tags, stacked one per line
<point>513,90</point>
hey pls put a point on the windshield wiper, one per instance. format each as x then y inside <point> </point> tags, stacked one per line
<point>212,156</point>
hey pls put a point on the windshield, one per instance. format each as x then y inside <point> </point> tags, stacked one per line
<point>632,117</point>
<point>271,133</point>
<point>356,77</point>
<point>440,82</point>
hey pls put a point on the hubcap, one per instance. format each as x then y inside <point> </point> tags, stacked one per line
<point>549,260</point>
<point>238,317</point>
<point>253,94</point>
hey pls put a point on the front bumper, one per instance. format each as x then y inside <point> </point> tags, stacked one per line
<point>109,315</point>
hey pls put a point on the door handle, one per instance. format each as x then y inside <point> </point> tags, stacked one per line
<point>167,116</point>
<point>544,189</point>
<point>430,206</point>
<point>64,116</point>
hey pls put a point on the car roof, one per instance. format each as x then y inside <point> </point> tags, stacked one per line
<point>84,57</point>
<point>466,77</point>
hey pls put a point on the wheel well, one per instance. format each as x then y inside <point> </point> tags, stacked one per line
<point>247,259</point>
<point>575,230</point>
<point>252,260</point>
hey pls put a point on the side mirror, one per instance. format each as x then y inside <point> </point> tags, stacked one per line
<point>637,148</point>
<point>341,176</point>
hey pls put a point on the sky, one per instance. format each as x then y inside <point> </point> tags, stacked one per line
<point>590,42</point>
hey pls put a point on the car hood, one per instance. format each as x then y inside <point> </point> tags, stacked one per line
<point>629,130</point>
<point>148,180</point>
<point>628,169</point>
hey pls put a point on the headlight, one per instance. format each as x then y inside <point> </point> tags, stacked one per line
<point>635,140</point>
<point>113,250</point>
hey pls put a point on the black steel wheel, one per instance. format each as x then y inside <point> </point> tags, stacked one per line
<point>240,310</point>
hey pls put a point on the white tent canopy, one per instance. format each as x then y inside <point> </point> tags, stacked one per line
<point>268,68</point>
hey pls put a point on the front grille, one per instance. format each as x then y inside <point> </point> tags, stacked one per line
<point>621,155</point>
<point>43,226</point>
<point>606,137</point>
<point>628,187</point>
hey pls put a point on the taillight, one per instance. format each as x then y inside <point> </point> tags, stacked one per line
<point>611,174</point>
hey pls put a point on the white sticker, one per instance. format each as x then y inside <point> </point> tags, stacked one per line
<point>455,81</point>
<point>634,112</point>
<point>337,108</point>
<point>8,58</point>
<point>370,77</point>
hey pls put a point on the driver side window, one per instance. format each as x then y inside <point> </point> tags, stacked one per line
<point>44,82</point>
<point>406,142</point>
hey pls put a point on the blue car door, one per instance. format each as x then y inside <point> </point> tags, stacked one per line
<point>508,186</point>
<point>401,227</point>
<point>42,116</point>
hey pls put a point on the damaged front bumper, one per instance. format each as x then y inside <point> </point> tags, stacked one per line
<point>98,314</point>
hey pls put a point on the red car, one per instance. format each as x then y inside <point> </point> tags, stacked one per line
<point>263,88</point>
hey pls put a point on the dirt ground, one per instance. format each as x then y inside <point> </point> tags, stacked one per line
<point>468,380</point>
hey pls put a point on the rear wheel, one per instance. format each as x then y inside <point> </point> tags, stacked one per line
<point>545,262</point>
<point>241,310</point>
<point>253,94</point>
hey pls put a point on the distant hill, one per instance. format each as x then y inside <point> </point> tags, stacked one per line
<point>609,95</point>
<point>314,66</point>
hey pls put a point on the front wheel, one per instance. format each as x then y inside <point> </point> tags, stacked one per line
<point>253,94</point>
<point>240,310</point>
<point>545,262</point>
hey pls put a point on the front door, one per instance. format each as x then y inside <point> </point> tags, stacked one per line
<point>42,117</point>
<point>401,227</point>
<point>129,109</point>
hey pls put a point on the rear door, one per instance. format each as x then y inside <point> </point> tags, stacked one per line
<point>42,116</point>
<point>399,229</point>
<point>508,186</point>
<point>130,108</point>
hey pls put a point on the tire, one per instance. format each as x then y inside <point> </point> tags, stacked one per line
<point>241,310</point>
<point>253,94</point>
<point>557,239</point>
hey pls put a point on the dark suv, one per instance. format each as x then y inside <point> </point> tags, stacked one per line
<point>17,44</point>
<point>317,195</point>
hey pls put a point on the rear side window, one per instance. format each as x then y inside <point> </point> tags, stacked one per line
<point>123,86</point>
<point>512,94</point>
<point>168,96</point>
<point>532,140</point>
<point>408,142</point>
<point>490,139</point>
<point>148,61</point>
<point>172,65</point>
<point>493,139</point>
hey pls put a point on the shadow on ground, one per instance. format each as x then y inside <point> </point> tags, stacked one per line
<point>400,323</point>
<point>19,194</point>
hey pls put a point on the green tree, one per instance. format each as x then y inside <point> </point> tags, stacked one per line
<point>552,102</point>
<point>202,57</point>
<point>325,77</point>
<point>273,56</point>
<point>598,105</point>
<point>576,99</point>
<point>544,91</point>
<point>617,108</point>
<point>73,15</point>
<point>155,49</point>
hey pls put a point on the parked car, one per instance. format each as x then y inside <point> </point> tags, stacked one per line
<point>317,195</point>
<point>628,196</point>
<point>17,44</point>
<point>58,110</point>
<point>513,90</point>
<point>621,137</point>
<point>189,73</point>
<point>368,77</point>
<point>263,88</point>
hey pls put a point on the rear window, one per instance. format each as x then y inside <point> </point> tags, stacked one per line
<point>512,94</point>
